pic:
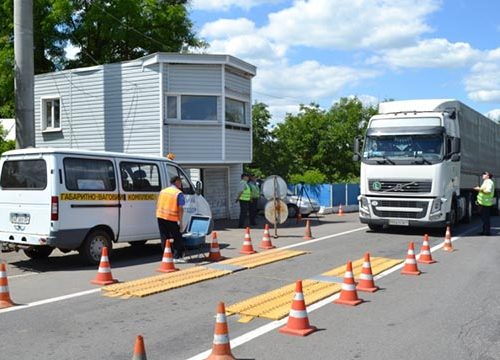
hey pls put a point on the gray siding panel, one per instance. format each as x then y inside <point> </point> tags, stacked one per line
<point>238,145</point>
<point>194,79</point>
<point>194,142</point>
<point>113,108</point>
<point>234,182</point>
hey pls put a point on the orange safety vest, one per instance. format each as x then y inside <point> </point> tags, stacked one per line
<point>166,207</point>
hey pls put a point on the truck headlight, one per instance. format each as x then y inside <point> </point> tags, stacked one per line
<point>363,205</point>
<point>436,205</point>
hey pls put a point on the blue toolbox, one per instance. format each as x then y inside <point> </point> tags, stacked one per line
<point>196,231</point>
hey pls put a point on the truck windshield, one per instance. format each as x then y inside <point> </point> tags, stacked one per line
<point>420,148</point>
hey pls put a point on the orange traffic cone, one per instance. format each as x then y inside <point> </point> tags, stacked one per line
<point>341,211</point>
<point>221,348</point>
<point>266,243</point>
<point>104,276</point>
<point>167,262</point>
<point>214,254</point>
<point>410,267</point>
<point>5,300</point>
<point>425,252</point>
<point>366,282</point>
<point>298,322</point>
<point>348,294</point>
<point>308,235</point>
<point>447,246</point>
<point>247,248</point>
<point>139,350</point>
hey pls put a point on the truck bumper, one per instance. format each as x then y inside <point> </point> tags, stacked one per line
<point>412,223</point>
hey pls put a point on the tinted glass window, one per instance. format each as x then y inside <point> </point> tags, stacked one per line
<point>89,174</point>
<point>186,184</point>
<point>140,176</point>
<point>24,174</point>
<point>198,107</point>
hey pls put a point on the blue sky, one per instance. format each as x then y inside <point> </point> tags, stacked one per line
<point>321,50</point>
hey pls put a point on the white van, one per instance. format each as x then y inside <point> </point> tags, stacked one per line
<point>83,200</point>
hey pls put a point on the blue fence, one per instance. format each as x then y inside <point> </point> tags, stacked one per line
<point>330,195</point>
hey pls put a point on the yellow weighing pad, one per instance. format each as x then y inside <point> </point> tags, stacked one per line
<point>275,304</point>
<point>160,283</point>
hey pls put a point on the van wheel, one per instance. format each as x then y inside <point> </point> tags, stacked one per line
<point>91,249</point>
<point>38,252</point>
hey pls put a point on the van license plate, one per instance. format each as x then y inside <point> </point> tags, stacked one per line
<point>399,222</point>
<point>23,219</point>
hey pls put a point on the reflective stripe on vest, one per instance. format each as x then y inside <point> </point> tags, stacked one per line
<point>247,193</point>
<point>486,199</point>
<point>167,207</point>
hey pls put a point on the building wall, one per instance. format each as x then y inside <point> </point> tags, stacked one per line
<point>234,183</point>
<point>113,107</point>
<point>215,184</point>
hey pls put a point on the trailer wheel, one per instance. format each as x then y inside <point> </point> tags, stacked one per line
<point>38,252</point>
<point>91,249</point>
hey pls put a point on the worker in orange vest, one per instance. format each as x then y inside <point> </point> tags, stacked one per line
<point>169,212</point>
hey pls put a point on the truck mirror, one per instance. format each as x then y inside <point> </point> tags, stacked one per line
<point>455,157</point>
<point>356,157</point>
<point>455,146</point>
<point>199,187</point>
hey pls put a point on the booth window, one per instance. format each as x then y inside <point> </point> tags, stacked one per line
<point>195,107</point>
<point>51,114</point>
<point>235,111</point>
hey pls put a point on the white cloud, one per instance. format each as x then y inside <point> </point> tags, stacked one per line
<point>483,81</point>
<point>351,24</point>
<point>308,81</point>
<point>227,28</point>
<point>494,115</point>
<point>430,53</point>
<point>224,5</point>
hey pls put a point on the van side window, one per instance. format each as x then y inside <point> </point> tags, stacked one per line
<point>186,184</point>
<point>24,174</point>
<point>83,174</point>
<point>138,176</point>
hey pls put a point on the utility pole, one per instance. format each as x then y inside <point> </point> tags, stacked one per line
<point>24,73</point>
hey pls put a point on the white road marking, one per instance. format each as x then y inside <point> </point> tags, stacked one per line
<point>307,242</point>
<point>51,300</point>
<point>249,336</point>
<point>22,275</point>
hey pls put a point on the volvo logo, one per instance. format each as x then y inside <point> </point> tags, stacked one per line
<point>376,186</point>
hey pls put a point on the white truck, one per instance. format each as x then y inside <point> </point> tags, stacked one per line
<point>83,200</point>
<point>421,160</point>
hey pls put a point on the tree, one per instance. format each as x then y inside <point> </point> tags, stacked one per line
<point>5,145</point>
<point>262,142</point>
<point>320,141</point>
<point>106,31</point>
<point>112,31</point>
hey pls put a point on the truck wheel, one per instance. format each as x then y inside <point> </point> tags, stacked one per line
<point>38,252</point>
<point>91,249</point>
<point>453,214</point>
<point>375,227</point>
<point>293,211</point>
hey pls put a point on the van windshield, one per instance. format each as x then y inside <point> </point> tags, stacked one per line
<point>24,174</point>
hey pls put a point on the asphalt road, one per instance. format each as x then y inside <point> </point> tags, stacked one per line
<point>450,311</point>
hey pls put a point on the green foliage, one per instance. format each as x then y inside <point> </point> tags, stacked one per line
<point>262,142</point>
<point>5,145</point>
<point>111,31</point>
<point>106,31</point>
<point>315,145</point>
<point>310,177</point>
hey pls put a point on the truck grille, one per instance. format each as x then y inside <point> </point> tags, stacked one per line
<point>401,204</point>
<point>400,186</point>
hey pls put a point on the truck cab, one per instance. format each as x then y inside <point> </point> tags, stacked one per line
<point>412,170</point>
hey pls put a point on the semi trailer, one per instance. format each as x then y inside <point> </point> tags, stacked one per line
<point>421,159</point>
